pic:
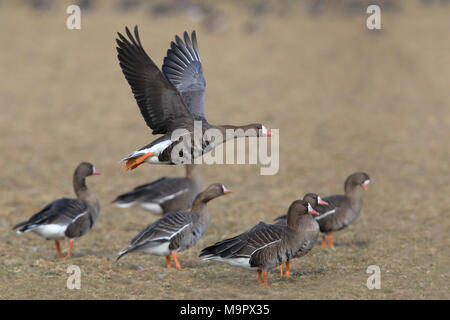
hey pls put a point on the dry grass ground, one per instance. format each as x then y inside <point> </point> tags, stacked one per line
<point>344,99</point>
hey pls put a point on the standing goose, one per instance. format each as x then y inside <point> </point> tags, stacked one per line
<point>314,200</point>
<point>166,194</point>
<point>266,246</point>
<point>178,230</point>
<point>171,100</point>
<point>67,218</point>
<point>342,210</point>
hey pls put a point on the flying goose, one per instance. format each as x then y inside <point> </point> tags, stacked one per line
<point>178,230</point>
<point>266,246</point>
<point>165,194</point>
<point>170,100</point>
<point>67,218</point>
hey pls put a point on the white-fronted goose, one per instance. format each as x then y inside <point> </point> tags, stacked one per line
<point>166,194</point>
<point>313,199</point>
<point>266,246</point>
<point>171,99</point>
<point>342,210</point>
<point>67,218</point>
<point>177,231</point>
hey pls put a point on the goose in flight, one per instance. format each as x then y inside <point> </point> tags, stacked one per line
<point>172,99</point>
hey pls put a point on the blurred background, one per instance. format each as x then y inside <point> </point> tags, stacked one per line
<point>344,98</point>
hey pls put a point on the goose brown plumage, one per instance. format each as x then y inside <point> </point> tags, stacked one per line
<point>170,100</point>
<point>165,194</point>
<point>342,210</point>
<point>313,199</point>
<point>266,246</point>
<point>178,230</point>
<point>67,218</point>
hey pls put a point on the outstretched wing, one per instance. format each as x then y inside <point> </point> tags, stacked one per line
<point>159,101</point>
<point>183,68</point>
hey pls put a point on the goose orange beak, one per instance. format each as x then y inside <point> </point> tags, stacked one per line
<point>137,161</point>
<point>97,173</point>
<point>269,133</point>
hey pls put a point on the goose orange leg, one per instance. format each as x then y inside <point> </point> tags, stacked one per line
<point>265,278</point>
<point>324,242</point>
<point>259,277</point>
<point>288,273</point>
<point>58,248</point>
<point>177,264</point>
<point>281,270</point>
<point>134,162</point>
<point>70,248</point>
<point>168,262</point>
<point>330,240</point>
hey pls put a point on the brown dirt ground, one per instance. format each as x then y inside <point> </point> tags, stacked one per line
<point>344,99</point>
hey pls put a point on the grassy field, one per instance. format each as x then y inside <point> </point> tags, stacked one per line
<point>344,98</point>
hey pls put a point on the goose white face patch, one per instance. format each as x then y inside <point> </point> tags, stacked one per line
<point>264,131</point>
<point>225,190</point>
<point>365,184</point>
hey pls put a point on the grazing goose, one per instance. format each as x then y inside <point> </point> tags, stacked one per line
<point>342,210</point>
<point>166,194</point>
<point>178,230</point>
<point>171,100</point>
<point>313,199</point>
<point>267,245</point>
<point>67,218</point>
